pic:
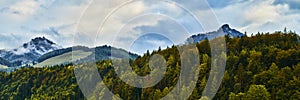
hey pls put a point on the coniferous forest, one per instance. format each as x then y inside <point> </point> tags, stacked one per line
<point>265,66</point>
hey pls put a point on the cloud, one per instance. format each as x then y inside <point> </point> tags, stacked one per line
<point>50,30</point>
<point>264,12</point>
<point>168,28</point>
<point>293,4</point>
<point>7,37</point>
<point>119,25</point>
<point>150,41</point>
<point>52,19</point>
<point>223,3</point>
<point>25,8</point>
<point>121,28</point>
<point>258,16</point>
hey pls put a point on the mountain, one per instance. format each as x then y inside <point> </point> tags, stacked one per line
<point>4,62</point>
<point>29,52</point>
<point>44,51</point>
<point>83,54</point>
<point>63,56</point>
<point>222,31</point>
<point>59,52</point>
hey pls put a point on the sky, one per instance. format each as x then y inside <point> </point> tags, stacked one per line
<point>138,25</point>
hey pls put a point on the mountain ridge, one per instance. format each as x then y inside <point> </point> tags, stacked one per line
<point>97,53</point>
<point>222,31</point>
<point>40,49</point>
<point>28,52</point>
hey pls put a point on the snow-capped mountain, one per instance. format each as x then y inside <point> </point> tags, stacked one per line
<point>29,52</point>
<point>224,30</point>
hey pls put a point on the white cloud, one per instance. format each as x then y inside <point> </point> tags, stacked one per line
<point>264,11</point>
<point>119,28</point>
<point>26,19</point>
<point>35,16</point>
<point>259,16</point>
<point>25,8</point>
<point>150,41</point>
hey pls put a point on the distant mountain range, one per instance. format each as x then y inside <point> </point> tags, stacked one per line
<point>222,31</point>
<point>40,50</point>
<point>43,52</point>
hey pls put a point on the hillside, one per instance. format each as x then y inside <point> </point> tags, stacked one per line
<point>83,54</point>
<point>65,58</point>
<point>3,66</point>
<point>261,67</point>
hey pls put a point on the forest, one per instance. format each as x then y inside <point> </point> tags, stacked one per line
<point>265,66</point>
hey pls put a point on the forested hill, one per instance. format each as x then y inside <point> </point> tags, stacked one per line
<point>261,67</point>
